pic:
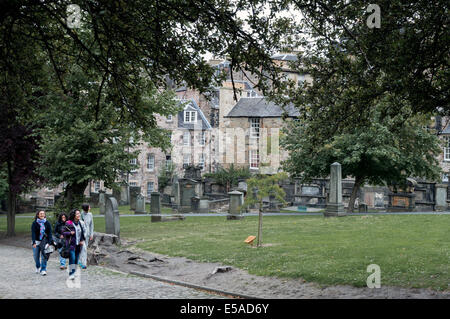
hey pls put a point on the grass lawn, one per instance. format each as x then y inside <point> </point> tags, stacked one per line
<point>412,251</point>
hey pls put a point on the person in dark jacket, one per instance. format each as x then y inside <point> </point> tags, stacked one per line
<point>59,237</point>
<point>74,234</point>
<point>41,234</point>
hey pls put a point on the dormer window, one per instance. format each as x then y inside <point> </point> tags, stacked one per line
<point>190,116</point>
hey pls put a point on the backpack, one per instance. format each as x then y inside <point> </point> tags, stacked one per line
<point>65,249</point>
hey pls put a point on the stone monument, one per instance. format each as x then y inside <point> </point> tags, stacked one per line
<point>140,204</point>
<point>335,207</point>
<point>134,192</point>
<point>102,202</point>
<point>155,207</point>
<point>112,220</point>
<point>441,197</point>
<point>235,207</point>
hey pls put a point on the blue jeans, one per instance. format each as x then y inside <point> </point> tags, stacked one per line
<point>62,261</point>
<point>74,255</point>
<point>37,252</point>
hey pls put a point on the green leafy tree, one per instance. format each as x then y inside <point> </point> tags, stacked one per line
<point>230,176</point>
<point>266,185</point>
<point>384,149</point>
<point>354,63</point>
<point>106,74</point>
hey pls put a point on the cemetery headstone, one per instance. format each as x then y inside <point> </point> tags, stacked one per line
<point>155,206</point>
<point>140,204</point>
<point>102,202</point>
<point>124,195</point>
<point>112,220</point>
<point>335,207</point>
<point>441,197</point>
<point>134,192</point>
<point>236,203</point>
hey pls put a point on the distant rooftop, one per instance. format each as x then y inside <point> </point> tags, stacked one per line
<point>260,107</point>
<point>284,57</point>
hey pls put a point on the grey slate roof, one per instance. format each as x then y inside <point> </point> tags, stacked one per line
<point>446,130</point>
<point>284,57</point>
<point>260,107</point>
<point>202,122</point>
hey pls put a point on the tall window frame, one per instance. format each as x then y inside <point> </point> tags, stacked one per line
<point>255,125</point>
<point>447,148</point>
<point>150,162</point>
<point>254,159</point>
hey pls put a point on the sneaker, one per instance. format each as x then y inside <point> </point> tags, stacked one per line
<point>62,267</point>
<point>72,277</point>
<point>38,270</point>
<point>43,273</point>
<point>83,267</point>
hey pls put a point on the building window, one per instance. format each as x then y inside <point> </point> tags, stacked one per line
<point>201,160</point>
<point>445,177</point>
<point>150,162</point>
<point>202,138</point>
<point>96,187</point>
<point>133,184</point>
<point>301,80</point>
<point>169,118</point>
<point>150,188</point>
<point>447,148</point>
<point>186,138</point>
<point>186,159</point>
<point>252,93</point>
<point>190,116</point>
<point>254,128</point>
<point>254,159</point>
<point>133,162</point>
<point>168,161</point>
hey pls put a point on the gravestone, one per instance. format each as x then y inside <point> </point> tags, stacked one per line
<point>155,206</point>
<point>441,197</point>
<point>203,205</point>
<point>112,220</point>
<point>335,207</point>
<point>273,206</point>
<point>175,193</point>
<point>140,204</point>
<point>102,202</point>
<point>234,211</point>
<point>134,192</point>
<point>124,195</point>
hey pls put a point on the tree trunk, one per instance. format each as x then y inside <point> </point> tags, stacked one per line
<point>351,204</point>
<point>260,215</point>
<point>74,195</point>
<point>11,216</point>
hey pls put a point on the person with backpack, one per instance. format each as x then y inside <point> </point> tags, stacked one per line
<point>87,218</point>
<point>41,237</point>
<point>59,238</point>
<point>74,235</point>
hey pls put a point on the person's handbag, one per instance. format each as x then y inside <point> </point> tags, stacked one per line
<point>65,249</point>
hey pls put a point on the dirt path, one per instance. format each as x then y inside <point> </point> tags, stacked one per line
<point>129,259</point>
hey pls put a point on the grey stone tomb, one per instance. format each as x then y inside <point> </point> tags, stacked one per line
<point>124,195</point>
<point>335,207</point>
<point>236,202</point>
<point>112,220</point>
<point>102,202</point>
<point>441,197</point>
<point>155,206</point>
<point>134,192</point>
<point>140,204</point>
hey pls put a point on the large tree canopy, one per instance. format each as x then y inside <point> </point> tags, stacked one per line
<point>93,80</point>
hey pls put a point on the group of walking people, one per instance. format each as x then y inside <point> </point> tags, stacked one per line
<point>71,238</point>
